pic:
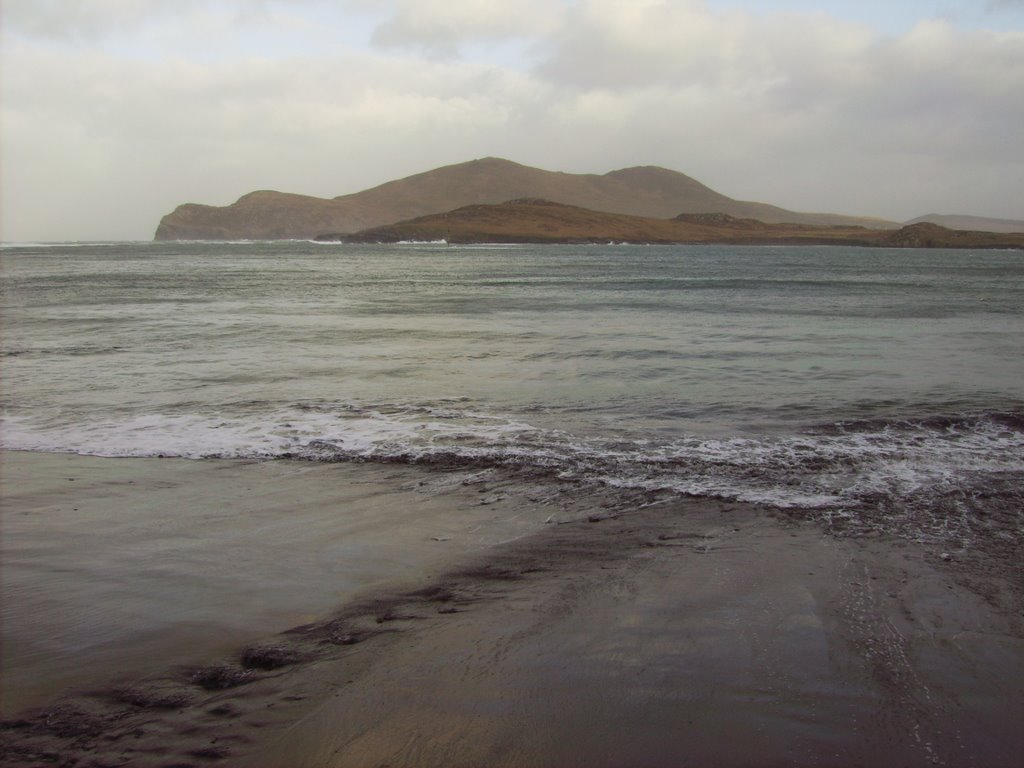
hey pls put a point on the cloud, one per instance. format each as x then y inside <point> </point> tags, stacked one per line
<point>1001,5</point>
<point>96,18</point>
<point>803,111</point>
<point>440,27</point>
<point>611,44</point>
<point>153,28</point>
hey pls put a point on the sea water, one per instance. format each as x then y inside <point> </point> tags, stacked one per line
<point>877,387</point>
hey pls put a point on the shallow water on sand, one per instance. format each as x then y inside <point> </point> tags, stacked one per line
<point>111,568</point>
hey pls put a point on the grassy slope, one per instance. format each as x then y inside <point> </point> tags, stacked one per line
<point>541,221</point>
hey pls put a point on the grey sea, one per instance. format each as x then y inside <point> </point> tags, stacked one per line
<point>647,505</point>
<point>860,386</point>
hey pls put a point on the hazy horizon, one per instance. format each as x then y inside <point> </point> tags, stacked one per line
<point>112,114</point>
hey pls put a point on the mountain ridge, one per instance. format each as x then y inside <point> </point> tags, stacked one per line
<point>649,191</point>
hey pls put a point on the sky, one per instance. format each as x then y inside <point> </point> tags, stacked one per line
<point>113,112</point>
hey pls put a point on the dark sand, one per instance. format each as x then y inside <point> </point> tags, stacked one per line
<point>109,564</point>
<point>628,631</point>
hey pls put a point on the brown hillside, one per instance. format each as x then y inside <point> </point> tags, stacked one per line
<point>263,215</point>
<point>542,221</point>
<point>643,191</point>
<point>927,235</point>
<point>971,223</point>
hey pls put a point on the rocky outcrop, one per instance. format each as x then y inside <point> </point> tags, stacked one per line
<point>261,215</point>
<point>923,235</point>
<point>720,220</point>
<point>971,223</point>
<point>927,235</point>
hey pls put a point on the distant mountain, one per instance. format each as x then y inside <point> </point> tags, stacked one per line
<point>971,223</point>
<point>534,220</point>
<point>642,191</point>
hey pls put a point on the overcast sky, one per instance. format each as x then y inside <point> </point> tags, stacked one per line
<point>116,111</point>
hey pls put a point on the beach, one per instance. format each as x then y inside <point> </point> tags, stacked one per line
<point>601,627</point>
<point>110,565</point>
<point>295,504</point>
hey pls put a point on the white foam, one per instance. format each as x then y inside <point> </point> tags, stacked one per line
<point>812,471</point>
<point>353,431</point>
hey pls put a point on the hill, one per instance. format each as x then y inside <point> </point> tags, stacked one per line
<point>642,191</point>
<point>976,223</point>
<point>542,221</point>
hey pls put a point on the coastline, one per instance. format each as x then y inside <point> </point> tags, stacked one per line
<point>598,628</point>
<point>542,222</point>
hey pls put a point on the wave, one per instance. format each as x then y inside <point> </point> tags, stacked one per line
<point>837,468</point>
<point>77,351</point>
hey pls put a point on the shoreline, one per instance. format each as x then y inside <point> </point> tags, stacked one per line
<point>628,629</point>
<point>110,563</point>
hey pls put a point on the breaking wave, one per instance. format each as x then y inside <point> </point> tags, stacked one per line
<point>835,469</point>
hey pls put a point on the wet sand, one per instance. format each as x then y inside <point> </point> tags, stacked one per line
<point>627,630</point>
<point>109,564</point>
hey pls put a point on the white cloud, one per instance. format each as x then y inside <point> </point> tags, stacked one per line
<point>799,110</point>
<point>95,18</point>
<point>681,42</point>
<point>440,27</point>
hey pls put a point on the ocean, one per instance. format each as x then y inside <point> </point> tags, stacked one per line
<point>870,389</point>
